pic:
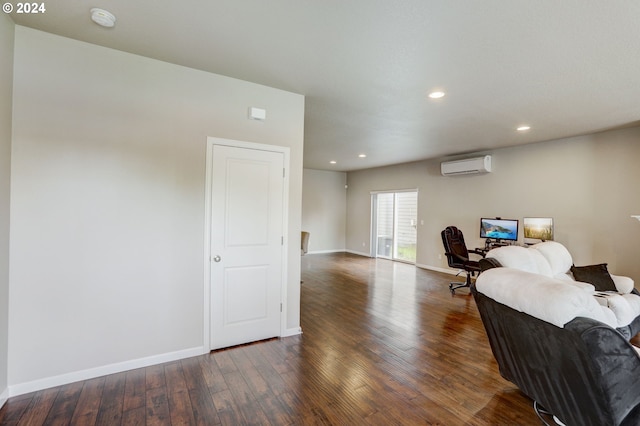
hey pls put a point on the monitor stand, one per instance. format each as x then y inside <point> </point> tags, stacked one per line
<point>489,243</point>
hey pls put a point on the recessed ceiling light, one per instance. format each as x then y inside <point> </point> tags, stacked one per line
<point>523,128</point>
<point>436,95</point>
<point>102,17</point>
<point>332,162</point>
<point>362,155</point>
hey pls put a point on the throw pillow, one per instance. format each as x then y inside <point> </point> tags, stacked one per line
<point>598,275</point>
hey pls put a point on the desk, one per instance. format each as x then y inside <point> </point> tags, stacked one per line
<point>481,251</point>
<point>484,250</point>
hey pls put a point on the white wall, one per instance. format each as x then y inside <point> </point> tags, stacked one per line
<point>588,184</point>
<point>6,84</point>
<point>107,204</point>
<point>324,210</point>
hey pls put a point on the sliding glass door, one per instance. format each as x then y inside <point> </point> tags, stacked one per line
<point>394,223</point>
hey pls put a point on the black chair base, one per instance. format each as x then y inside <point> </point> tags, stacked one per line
<point>456,285</point>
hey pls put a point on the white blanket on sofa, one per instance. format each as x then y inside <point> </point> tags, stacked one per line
<point>543,297</point>
<point>537,261</point>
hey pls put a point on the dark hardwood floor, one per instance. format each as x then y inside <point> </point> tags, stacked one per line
<point>384,343</point>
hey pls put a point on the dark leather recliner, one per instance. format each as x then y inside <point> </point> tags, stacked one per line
<point>586,373</point>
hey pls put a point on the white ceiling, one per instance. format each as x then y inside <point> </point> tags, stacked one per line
<point>565,67</point>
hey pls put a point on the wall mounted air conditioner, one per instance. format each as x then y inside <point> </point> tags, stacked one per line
<point>467,166</point>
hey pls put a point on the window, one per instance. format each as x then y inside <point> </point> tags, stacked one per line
<point>394,229</point>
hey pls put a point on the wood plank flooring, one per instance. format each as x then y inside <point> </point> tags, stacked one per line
<point>384,343</point>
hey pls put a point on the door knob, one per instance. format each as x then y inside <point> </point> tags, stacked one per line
<point>217,259</point>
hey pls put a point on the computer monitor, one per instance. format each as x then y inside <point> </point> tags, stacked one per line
<point>537,229</point>
<point>499,229</point>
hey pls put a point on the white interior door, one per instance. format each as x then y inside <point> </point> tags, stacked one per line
<point>246,245</point>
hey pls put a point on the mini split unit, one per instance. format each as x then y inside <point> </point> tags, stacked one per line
<point>466,167</point>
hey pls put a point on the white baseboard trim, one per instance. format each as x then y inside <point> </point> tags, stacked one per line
<point>3,397</point>
<point>326,251</point>
<point>359,253</point>
<point>92,373</point>
<point>437,269</point>
<point>292,332</point>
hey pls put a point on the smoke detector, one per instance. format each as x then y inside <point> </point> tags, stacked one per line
<point>102,17</point>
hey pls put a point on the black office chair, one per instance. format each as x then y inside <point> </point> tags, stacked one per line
<point>458,255</point>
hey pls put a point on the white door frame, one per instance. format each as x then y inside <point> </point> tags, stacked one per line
<point>211,141</point>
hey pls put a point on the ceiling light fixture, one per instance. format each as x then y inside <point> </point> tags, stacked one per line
<point>436,95</point>
<point>523,128</point>
<point>332,162</point>
<point>362,155</point>
<point>102,17</point>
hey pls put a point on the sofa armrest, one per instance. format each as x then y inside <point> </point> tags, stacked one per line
<point>616,365</point>
<point>456,257</point>
<point>624,285</point>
